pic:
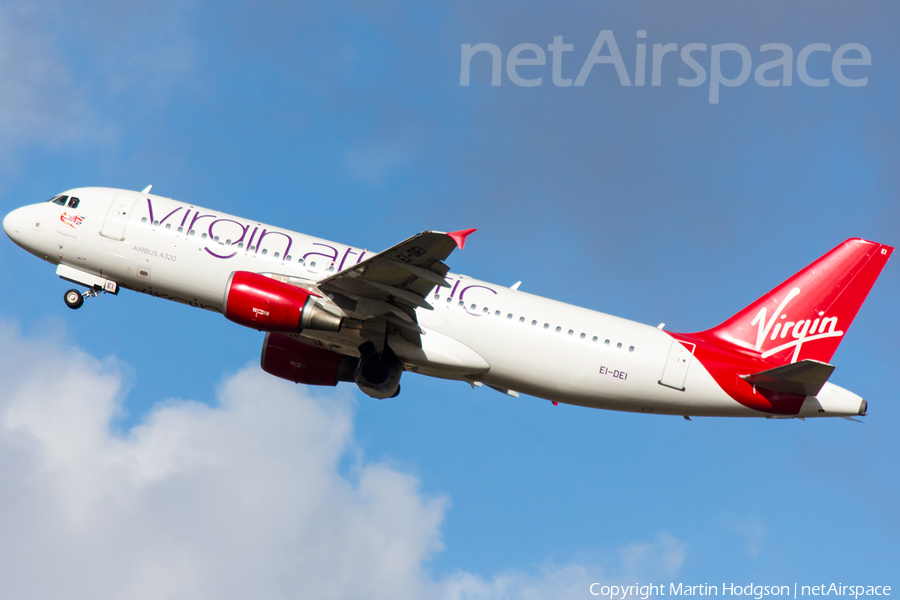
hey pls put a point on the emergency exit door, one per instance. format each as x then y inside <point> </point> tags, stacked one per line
<point>677,363</point>
<point>117,217</point>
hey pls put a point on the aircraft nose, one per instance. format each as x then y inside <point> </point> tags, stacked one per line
<point>12,224</point>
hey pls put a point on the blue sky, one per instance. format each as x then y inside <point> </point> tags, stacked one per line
<point>347,121</point>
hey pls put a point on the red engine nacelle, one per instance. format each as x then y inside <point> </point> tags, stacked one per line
<point>263,303</point>
<point>295,361</point>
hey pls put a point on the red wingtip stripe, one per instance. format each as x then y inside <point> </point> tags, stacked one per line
<point>460,237</point>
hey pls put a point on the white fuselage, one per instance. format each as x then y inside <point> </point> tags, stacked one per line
<point>510,340</point>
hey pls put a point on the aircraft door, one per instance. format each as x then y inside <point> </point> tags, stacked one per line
<point>117,217</point>
<point>677,363</point>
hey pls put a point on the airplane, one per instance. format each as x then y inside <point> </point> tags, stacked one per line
<point>335,313</point>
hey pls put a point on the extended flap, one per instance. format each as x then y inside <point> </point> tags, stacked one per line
<point>402,275</point>
<point>804,378</point>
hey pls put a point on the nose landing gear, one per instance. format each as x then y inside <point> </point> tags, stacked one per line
<point>94,284</point>
<point>74,299</point>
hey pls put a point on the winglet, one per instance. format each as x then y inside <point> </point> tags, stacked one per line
<point>460,237</point>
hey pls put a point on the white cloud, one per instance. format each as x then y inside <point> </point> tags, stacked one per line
<point>754,531</point>
<point>72,72</point>
<point>239,500</point>
<point>557,582</point>
<point>245,499</point>
<point>665,555</point>
<point>655,561</point>
<point>40,102</point>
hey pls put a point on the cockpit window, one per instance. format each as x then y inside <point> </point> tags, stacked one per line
<point>73,202</point>
<point>61,200</point>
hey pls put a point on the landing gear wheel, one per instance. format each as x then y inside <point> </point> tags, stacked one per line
<point>73,299</point>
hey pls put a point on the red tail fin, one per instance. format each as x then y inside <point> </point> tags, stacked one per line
<point>807,315</point>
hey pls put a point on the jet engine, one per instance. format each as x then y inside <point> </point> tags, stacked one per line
<point>263,303</point>
<point>378,373</point>
<point>295,361</point>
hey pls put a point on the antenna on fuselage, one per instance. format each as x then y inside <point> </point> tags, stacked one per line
<point>146,190</point>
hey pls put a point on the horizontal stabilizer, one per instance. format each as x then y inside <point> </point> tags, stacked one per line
<point>804,378</point>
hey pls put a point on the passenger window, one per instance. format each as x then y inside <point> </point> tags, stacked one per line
<point>606,343</point>
<point>570,332</point>
<point>277,254</point>
<point>215,239</point>
<point>558,329</point>
<point>73,202</point>
<point>631,348</point>
<point>533,323</point>
<point>546,325</point>
<point>449,299</point>
<point>619,346</point>
<point>287,258</point>
<point>496,313</point>
<point>330,269</point>
<point>594,339</point>
<point>156,223</point>
<point>143,219</point>
<point>300,261</point>
<point>312,265</point>
<point>203,236</point>
<point>582,336</point>
<point>169,226</point>
<point>180,229</point>
<point>266,251</point>
<point>461,303</point>
<point>437,297</point>
<point>472,306</point>
<point>486,310</point>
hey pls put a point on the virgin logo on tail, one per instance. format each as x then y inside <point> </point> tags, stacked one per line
<point>797,332</point>
<point>823,300</point>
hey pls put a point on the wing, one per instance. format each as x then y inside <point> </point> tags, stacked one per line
<point>395,282</point>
